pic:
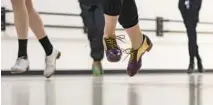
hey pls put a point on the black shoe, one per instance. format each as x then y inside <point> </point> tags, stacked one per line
<point>191,68</point>
<point>200,66</point>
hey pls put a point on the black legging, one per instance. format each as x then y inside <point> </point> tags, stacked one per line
<point>126,9</point>
<point>190,16</point>
<point>93,18</point>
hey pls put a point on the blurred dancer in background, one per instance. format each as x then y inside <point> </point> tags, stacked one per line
<point>190,12</point>
<point>93,19</point>
<point>125,11</point>
<point>26,16</point>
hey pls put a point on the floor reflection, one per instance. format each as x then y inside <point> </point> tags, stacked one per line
<point>97,91</point>
<point>50,92</point>
<point>133,94</point>
<point>20,93</point>
<point>195,89</point>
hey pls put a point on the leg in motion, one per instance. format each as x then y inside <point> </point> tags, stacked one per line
<point>196,8</point>
<point>37,27</point>
<point>140,43</point>
<point>111,12</point>
<point>193,46</point>
<point>21,24</point>
<point>94,18</point>
<point>185,15</point>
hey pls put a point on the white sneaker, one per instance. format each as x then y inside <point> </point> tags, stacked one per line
<point>21,65</point>
<point>51,63</point>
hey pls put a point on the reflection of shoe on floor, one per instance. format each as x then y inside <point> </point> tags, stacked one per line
<point>113,51</point>
<point>21,65</point>
<point>136,55</point>
<point>97,68</point>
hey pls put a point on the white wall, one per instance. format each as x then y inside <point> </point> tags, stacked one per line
<point>168,52</point>
<point>147,8</point>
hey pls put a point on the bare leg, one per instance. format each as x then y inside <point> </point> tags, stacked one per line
<point>35,21</point>
<point>21,21</point>
<point>110,25</point>
<point>20,18</point>
<point>37,27</point>
<point>129,20</point>
<point>135,36</point>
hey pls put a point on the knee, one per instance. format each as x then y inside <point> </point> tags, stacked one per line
<point>17,3</point>
<point>112,7</point>
<point>128,21</point>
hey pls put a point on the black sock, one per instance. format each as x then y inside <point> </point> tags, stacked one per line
<point>22,48</point>
<point>45,42</point>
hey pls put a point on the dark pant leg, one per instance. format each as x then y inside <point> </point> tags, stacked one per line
<point>196,5</point>
<point>83,19</point>
<point>192,38</point>
<point>129,14</point>
<point>95,21</point>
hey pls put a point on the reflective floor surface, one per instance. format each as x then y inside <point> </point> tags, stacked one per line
<point>169,89</point>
